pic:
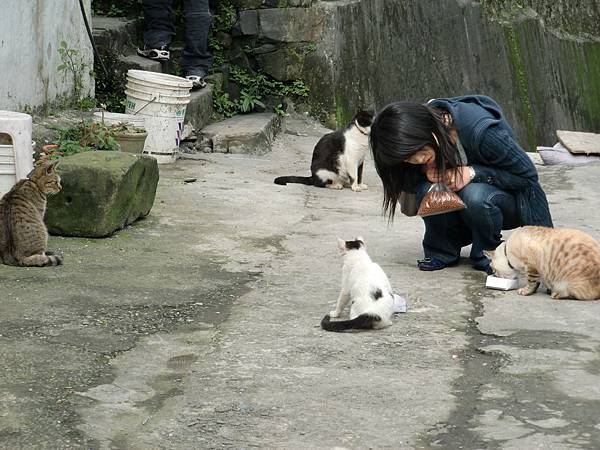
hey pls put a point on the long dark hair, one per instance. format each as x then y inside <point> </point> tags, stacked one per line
<point>399,131</point>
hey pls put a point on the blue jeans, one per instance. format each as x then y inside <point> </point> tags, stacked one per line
<point>158,31</point>
<point>489,211</point>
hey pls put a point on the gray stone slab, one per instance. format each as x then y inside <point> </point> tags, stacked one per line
<point>199,327</point>
<point>291,24</point>
<point>139,63</point>
<point>116,33</point>
<point>200,108</point>
<point>284,64</point>
<point>250,133</point>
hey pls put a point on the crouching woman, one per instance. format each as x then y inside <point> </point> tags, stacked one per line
<point>466,143</point>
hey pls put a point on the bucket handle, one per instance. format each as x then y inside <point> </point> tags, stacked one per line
<point>151,101</point>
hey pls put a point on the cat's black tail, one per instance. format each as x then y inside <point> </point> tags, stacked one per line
<point>302,180</point>
<point>362,322</point>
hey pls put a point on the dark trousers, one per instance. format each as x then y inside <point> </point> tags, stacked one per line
<point>489,211</point>
<point>158,31</point>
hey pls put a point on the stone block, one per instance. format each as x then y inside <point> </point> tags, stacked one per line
<point>284,64</point>
<point>224,39</point>
<point>200,107</point>
<point>295,3</point>
<point>250,133</point>
<point>249,22</point>
<point>247,4</point>
<point>291,24</point>
<point>115,33</point>
<point>216,79</point>
<point>102,192</point>
<point>265,48</point>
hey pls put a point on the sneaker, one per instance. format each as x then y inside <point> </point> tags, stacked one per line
<point>198,81</point>
<point>487,268</point>
<point>432,263</point>
<point>157,54</point>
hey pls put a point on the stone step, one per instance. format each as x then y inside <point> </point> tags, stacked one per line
<point>116,34</point>
<point>248,133</point>
<point>120,35</point>
<point>139,63</point>
<point>200,107</point>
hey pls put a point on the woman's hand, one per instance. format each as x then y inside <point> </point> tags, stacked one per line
<point>432,174</point>
<point>458,178</point>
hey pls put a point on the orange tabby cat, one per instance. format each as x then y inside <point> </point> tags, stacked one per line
<point>567,261</point>
<point>23,234</point>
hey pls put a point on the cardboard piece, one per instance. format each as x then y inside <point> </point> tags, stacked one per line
<point>580,143</point>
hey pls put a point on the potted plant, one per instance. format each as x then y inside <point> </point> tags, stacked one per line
<point>130,138</point>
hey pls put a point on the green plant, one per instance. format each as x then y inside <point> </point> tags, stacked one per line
<point>87,103</point>
<point>110,87</point>
<point>249,100</point>
<point>97,135</point>
<point>116,8</point>
<point>84,137</point>
<point>224,17</point>
<point>256,89</point>
<point>72,64</point>
<point>279,110</point>
<point>253,89</point>
<point>223,105</point>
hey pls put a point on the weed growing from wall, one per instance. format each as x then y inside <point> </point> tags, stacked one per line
<point>72,66</point>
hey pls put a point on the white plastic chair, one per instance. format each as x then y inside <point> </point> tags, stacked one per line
<point>16,159</point>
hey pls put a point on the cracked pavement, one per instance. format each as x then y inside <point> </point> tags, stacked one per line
<point>198,327</point>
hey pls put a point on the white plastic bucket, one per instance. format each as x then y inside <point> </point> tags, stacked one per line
<point>8,168</point>
<point>147,82</point>
<point>16,159</point>
<point>161,100</point>
<point>111,118</point>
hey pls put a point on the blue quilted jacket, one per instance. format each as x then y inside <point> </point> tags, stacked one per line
<point>493,151</point>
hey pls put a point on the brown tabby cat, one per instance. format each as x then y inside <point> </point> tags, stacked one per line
<point>566,260</point>
<point>23,234</point>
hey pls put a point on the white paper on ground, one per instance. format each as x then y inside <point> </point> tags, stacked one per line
<point>502,284</point>
<point>399,304</point>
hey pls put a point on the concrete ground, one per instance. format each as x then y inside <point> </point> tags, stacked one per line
<point>198,328</point>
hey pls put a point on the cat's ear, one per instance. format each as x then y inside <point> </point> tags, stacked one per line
<point>51,167</point>
<point>361,239</point>
<point>341,245</point>
<point>37,168</point>
<point>364,118</point>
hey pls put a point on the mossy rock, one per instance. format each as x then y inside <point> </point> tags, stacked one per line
<point>102,192</point>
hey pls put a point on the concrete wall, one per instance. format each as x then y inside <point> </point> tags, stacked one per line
<point>545,79</point>
<point>30,34</point>
<point>539,58</point>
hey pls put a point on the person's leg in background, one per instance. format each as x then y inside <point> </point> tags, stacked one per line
<point>196,58</point>
<point>489,211</point>
<point>158,29</point>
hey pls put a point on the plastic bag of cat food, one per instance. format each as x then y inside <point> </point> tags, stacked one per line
<point>440,199</point>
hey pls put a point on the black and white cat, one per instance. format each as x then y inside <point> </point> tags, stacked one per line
<point>367,288</point>
<point>338,157</point>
